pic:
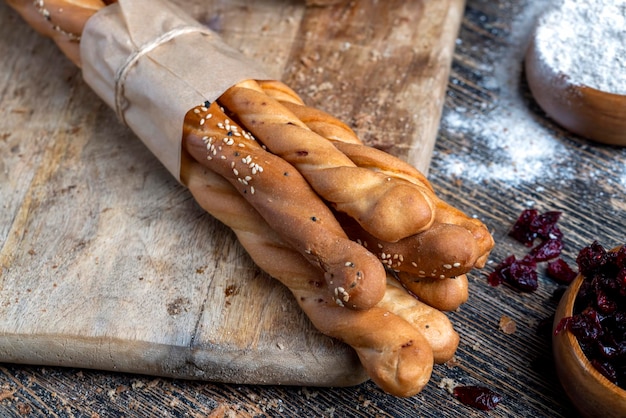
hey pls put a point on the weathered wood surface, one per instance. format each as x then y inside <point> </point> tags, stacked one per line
<point>106,261</point>
<point>584,180</point>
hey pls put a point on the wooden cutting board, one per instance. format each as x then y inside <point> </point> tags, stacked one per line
<point>106,262</point>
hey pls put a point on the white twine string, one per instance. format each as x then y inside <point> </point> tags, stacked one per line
<point>122,72</point>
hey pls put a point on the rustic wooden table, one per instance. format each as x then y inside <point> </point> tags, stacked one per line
<point>496,154</point>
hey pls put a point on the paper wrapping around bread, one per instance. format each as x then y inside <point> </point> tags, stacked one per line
<point>151,62</point>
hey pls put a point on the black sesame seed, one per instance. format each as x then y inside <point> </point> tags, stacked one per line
<point>230,133</point>
<point>207,103</point>
<point>313,218</point>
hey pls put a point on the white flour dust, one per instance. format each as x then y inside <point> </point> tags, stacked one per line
<point>586,42</point>
<point>519,148</point>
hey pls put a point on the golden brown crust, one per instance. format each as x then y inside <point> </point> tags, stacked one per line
<point>278,192</point>
<point>430,321</point>
<point>396,355</point>
<point>61,20</point>
<point>444,294</point>
<point>388,207</point>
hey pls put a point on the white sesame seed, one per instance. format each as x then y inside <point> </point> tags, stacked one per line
<point>201,122</point>
<point>196,111</point>
<point>456,265</point>
<point>447,266</point>
<point>235,172</point>
<point>414,264</point>
<point>251,189</point>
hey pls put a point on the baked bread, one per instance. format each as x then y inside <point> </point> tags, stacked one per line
<point>354,276</point>
<point>396,355</point>
<point>291,232</point>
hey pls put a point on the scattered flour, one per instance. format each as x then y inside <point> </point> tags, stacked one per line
<point>521,148</point>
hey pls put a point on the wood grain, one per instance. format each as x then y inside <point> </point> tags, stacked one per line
<point>108,263</point>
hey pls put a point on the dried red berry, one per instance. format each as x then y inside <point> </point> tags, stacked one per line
<point>599,319</point>
<point>521,274</point>
<point>532,225</point>
<point>547,250</point>
<point>559,271</point>
<point>478,397</point>
<point>522,230</point>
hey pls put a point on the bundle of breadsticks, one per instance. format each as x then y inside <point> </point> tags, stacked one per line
<point>371,254</point>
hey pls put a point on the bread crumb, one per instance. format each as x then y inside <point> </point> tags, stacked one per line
<point>448,384</point>
<point>507,325</point>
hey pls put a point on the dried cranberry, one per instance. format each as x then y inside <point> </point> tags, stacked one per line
<point>560,271</point>
<point>591,258</point>
<point>545,227</point>
<point>586,326</point>
<point>523,277</point>
<point>605,368</point>
<point>547,250</point>
<point>520,274</point>
<point>599,319</point>
<point>531,225</point>
<point>522,230</point>
<point>478,397</point>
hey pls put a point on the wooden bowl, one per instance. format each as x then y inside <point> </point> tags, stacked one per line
<point>586,111</point>
<point>590,392</point>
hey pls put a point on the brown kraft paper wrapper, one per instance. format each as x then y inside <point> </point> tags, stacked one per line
<point>151,62</point>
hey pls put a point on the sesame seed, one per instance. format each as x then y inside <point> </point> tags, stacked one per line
<point>349,264</point>
<point>235,172</point>
<point>204,109</point>
<point>201,122</point>
<point>414,264</point>
<point>447,266</point>
<point>196,111</point>
<point>247,178</point>
<point>252,189</point>
<point>208,116</point>
<point>456,265</point>
<point>380,246</point>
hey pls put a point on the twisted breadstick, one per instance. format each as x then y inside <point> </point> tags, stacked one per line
<point>60,20</point>
<point>354,276</point>
<point>395,354</point>
<point>398,339</point>
<point>385,206</point>
<point>451,246</point>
